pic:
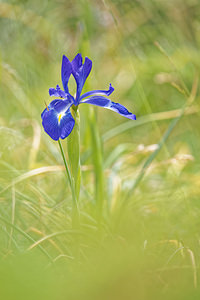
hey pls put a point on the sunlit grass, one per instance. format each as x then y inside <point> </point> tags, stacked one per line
<point>145,173</point>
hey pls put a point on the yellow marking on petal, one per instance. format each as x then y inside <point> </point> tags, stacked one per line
<point>59,118</point>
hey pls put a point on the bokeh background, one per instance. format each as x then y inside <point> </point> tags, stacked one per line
<point>147,244</point>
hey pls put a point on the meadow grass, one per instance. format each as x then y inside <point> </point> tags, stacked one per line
<point>138,232</point>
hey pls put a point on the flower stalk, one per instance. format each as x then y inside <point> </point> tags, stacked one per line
<point>75,209</point>
<point>98,164</point>
<point>73,147</point>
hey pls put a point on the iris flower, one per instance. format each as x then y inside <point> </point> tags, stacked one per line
<point>57,119</point>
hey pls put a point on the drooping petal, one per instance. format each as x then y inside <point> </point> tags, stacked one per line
<point>80,72</point>
<point>122,110</point>
<point>62,105</point>
<point>57,92</point>
<point>66,124</point>
<point>58,105</point>
<point>106,103</point>
<point>57,125</point>
<point>98,92</point>
<point>50,106</point>
<point>51,124</point>
<point>66,71</point>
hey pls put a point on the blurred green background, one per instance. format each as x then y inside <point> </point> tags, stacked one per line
<point>147,244</point>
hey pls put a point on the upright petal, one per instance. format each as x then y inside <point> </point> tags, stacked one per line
<point>98,92</point>
<point>87,66</point>
<point>76,64</point>
<point>106,103</point>
<point>66,71</point>
<point>80,72</point>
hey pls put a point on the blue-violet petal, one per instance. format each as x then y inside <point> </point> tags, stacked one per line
<point>66,71</point>
<point>80,72</point>
<point>106,103</point>
<point>98,92</point>
<point>57,125</point>
<point>57,92</point>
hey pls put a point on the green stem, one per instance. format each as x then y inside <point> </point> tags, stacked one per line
<point>98,164</point>
<point>65,163</point>
<point>75,217</point>
<point>73,147</point>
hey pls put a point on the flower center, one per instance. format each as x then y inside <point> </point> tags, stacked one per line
<point>60,116</point>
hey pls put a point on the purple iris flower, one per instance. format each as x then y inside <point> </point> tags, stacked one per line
<point>57,119</point>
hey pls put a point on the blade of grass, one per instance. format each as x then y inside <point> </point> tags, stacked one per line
<point>12,215</point>
<point>32,173</point>
<point>194,267</point>
<point>162,141</point>
<point>166,115</point>
<point>161,49</point>
<point>47,237</point>
<point>27,236</point>
<point>76,216</point>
